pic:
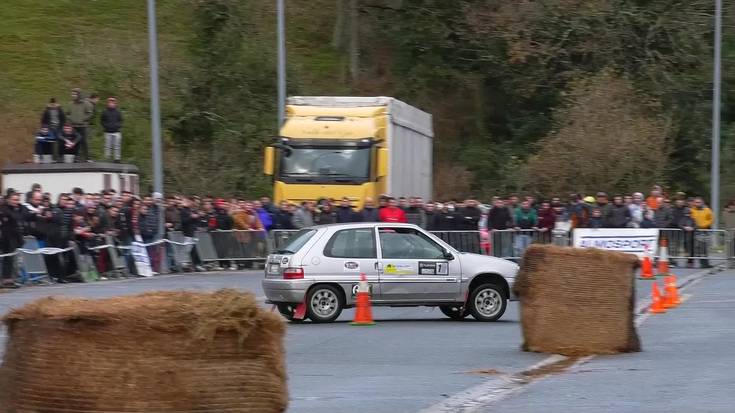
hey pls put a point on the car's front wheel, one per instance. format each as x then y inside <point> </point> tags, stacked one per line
<point>324,304</point>
<point>455,312</point>
<point>487,302</point>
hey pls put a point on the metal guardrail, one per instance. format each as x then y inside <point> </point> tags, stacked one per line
<point>699,244</point>
<point>113,260</point>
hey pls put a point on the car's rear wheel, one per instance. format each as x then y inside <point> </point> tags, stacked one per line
<point>324,304</point>
<point>455,312</point>
<point>487,302</point>
<point>287,310</point>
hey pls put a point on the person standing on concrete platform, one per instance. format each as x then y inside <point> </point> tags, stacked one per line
<point>80,114</point>
<point>111,120</point>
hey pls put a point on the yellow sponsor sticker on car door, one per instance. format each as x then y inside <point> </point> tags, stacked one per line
<point>399,269</point>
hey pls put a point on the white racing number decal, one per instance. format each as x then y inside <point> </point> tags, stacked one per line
<point>433,268</point>
<point>356,287</point>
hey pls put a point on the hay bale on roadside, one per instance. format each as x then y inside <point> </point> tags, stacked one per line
<point>155,352</point>
<point>577,301</point>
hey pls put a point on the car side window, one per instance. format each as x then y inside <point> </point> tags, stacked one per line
<point>352,243</point>
<point>407,243</point>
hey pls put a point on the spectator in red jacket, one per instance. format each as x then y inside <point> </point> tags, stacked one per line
<point>392,213</point>
<point>546,221</point>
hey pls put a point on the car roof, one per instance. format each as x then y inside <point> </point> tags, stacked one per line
<point>363,225</point>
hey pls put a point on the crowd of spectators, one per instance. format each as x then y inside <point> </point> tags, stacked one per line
<point>64,134</point>
<point>92,219</point>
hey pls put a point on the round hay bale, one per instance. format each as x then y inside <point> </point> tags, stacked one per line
<point>155,352</point>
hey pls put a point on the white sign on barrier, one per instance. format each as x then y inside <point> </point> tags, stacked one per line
<point>631,240</point>
<point>142,261</point>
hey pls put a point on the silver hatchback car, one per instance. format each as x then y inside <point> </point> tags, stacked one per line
<point>404,265</point>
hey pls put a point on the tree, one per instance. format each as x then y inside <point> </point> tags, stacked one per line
<point>607,137</point>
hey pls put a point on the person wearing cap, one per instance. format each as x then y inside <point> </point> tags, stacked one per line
<point>112,120</point>
<point>578,210</point>
<point>80,114</point>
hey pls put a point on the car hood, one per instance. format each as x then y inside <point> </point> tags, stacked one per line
<point>475,263</point>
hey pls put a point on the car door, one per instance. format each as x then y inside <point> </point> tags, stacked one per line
<point>414,268</point>
<point>347,254</point>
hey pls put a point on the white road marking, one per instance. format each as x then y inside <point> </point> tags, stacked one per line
<point>502,387</point>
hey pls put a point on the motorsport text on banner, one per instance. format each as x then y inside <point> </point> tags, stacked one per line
<point>631,240</point>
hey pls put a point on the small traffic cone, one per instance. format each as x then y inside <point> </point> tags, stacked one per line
<point>364,313</point>
<point>672,292</point>
<point>657,306</point>
<point>663,258</point>
<point>646,267</point>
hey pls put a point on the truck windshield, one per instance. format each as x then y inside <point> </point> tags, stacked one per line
<point>326,164</point>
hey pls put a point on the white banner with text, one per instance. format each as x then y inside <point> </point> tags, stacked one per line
<point>631,240</point>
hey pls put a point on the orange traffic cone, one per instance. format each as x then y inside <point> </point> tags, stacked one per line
<point>672,292</point>
<point>663,258</point>
<point>646,267</point>
<point>364,314</point>
<point>657,306</point>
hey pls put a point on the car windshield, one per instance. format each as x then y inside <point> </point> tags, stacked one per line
<point>296,241</point>
<point>327,163</point>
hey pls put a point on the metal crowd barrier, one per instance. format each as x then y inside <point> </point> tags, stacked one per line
<point>232,245</point>
<point>511,244</point>
<point>702,244</point>
<point>463,241</point>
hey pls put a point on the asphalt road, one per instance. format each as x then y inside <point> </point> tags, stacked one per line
<point>414,358</point>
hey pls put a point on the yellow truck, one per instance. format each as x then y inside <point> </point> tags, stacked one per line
<point>355,147</point>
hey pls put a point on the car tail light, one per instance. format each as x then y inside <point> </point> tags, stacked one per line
<point>293,273</point>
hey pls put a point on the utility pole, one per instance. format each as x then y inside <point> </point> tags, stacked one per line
<point>156,121</point>
<point>716,91</point>
<point>281,38</point>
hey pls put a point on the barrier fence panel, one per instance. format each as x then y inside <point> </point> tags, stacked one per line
<point>279,238</point>
<point>463,241</point>
<point>232,245</point>
<point>117,260</point>
<point>181,253</point>
<point>205,247</point>
<point>32,266</point>
<point>703,245</point>
<point>512,243</point>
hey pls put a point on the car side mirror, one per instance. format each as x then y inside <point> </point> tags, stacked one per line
<point>448,256</point>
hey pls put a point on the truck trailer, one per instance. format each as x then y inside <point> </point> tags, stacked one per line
<point>354,147</point>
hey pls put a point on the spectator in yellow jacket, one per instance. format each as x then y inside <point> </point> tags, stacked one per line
<point>701,214</point>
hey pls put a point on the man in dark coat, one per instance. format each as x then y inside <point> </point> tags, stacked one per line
<point>345,213</point>
<point>111,120</point>
<point>11,236</point>
<point>369,213</point>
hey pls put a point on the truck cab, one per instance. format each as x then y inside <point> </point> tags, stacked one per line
<point>334,147</point>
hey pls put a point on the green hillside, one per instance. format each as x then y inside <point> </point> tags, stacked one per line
<point>515,87</point>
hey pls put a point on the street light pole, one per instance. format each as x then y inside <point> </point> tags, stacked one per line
<point>156,120</point>
<point>281,39</point>
<point>715,174</point>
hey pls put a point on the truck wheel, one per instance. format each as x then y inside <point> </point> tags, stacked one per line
<point>287,310</point>
<point>324,304</point>
<point>455,312</point>
<point>487,302</point>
